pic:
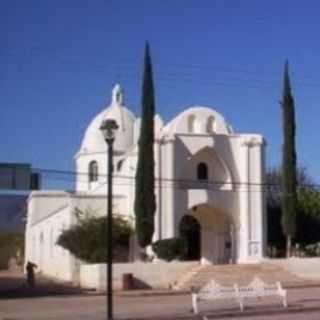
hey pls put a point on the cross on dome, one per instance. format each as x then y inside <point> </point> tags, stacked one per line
<point>117,95</point>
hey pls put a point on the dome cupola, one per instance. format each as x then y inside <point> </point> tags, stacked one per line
<point>93,140</point>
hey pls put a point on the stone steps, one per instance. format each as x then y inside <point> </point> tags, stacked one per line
<point>241,274</point>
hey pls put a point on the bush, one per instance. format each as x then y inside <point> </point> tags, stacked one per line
<point>170,249</point>
<point>88,240</point>
<point>6,254</point>
<point>312,250</point>
<point>11,243</point>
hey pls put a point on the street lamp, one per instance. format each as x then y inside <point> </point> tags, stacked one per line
<point>108,129</point>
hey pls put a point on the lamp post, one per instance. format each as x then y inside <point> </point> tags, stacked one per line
<point>108,129</point>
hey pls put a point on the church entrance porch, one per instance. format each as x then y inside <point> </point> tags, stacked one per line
<point>216,245</point>
<point>190,231</point>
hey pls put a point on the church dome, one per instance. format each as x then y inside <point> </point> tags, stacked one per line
<point>93,140</point>
<point>198,120</point>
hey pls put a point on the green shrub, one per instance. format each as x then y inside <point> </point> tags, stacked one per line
<point>10,244</point>
<point>88,240</point>
<point>170,249</point>
<point>312,250</point>
<point>6,254</point>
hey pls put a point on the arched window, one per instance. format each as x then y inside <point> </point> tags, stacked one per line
<point>34,248</point>
<point>119,164</point>
<point>41,250</point>
<point>191,123</point>
<point>210,124</point>
<point>93,171</point>
<point>51,243</point>
<point>202,171</point>
<point>64,227</point>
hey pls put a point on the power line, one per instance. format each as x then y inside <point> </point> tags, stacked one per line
<point>121,62</point>
<point>76,176</point>
<point>63,60</point>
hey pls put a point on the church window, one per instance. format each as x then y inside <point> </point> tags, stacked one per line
<point>210,124</point>
<point>41,249</point>
<point>119,164</point>
<point>34,246</point>
<point>93,171</point>
<point>191,123</point>
<point>202,171</point>
<point>64,227</point>
<point>51,243</point>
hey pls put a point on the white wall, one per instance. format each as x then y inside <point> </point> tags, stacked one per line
<point>155,275</point>
<point>42,233</point>
<point>308,268</point>
<point>42,204</point>
<point>41,247</point>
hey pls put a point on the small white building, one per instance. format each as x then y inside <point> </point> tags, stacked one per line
<point>205,174</point>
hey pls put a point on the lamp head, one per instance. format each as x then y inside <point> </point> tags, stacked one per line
<point>108,129</point>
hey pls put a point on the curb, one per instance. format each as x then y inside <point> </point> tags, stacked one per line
<point>151,292</point>
<point>262,312</point>
<point>137,293</point>
<point>232,314</point>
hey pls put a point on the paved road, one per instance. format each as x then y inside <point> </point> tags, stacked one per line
<point>53,308</point>
<point>51,301</point>
<point>289,316</point>
<point>303,303</point>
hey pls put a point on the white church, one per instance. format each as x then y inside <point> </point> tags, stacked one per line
<point>204,172</point>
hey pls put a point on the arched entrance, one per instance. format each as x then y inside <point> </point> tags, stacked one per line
<point>190,231</point>
<point>217,244</point>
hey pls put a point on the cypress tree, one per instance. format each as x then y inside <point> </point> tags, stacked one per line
<point>145,205</point>
<point>289,163</point>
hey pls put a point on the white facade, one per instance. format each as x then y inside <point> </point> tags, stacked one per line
<point>202,169</point>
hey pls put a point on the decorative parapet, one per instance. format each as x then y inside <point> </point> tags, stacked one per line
<point>253,141</point>
<point>165,138</point>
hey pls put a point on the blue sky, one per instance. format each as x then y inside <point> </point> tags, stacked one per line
<point>59,60</point>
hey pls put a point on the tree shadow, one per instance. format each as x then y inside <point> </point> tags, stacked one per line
<point>139,284</point>
<point>15,287</point>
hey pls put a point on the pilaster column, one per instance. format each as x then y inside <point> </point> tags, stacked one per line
<point>258,241</point>
<point>253,201</point>
<point>244,231</point>
<point>158,150</point>
<point>169,185</point>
